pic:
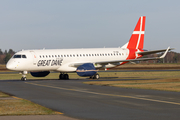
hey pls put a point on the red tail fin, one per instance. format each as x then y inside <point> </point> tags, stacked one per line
<point>137,39</point>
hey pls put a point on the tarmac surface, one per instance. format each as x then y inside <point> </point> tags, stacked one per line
<point>80,101</point>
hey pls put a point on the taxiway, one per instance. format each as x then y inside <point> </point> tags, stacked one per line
<point>82,101</point>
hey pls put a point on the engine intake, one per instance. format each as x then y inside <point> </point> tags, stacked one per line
<point>86,69</point>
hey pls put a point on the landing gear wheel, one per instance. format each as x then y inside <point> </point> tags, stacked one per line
<point>23,78</point>
<point>61,76</point>
<point>96,76</point>
<point>64,76</point>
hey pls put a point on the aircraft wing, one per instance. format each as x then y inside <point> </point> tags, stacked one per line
<point>77,64</point>
<point>139,59</point>
<point>129,60</point>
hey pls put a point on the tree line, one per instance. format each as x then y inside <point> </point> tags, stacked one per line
<point>6,55</point>
<point>171,57</point>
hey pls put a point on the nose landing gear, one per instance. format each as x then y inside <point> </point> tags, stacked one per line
<point>23,75</point>
<point>23,78</point>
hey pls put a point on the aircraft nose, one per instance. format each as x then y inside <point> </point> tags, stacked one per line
<point>10,66</point>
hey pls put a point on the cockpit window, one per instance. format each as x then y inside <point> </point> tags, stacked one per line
<point>23,56</point>
<point>19,56</point>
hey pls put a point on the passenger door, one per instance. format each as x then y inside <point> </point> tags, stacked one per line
<point>34,56</point>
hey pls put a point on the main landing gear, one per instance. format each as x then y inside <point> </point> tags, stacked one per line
<point>63,76</point>
<point>96,76</point>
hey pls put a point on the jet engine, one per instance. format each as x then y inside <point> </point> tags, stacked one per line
<point>86,69</point>
<point>40,74</point>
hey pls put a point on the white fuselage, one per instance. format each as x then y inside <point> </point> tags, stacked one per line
<point>64,60</point>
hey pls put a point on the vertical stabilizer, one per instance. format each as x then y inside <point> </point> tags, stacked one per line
<point>137,38</point>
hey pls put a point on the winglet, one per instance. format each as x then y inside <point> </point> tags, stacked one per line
<point>165,53</point>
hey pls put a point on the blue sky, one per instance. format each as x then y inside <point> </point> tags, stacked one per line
<point>56,24</point>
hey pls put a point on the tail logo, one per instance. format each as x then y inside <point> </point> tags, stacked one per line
<point>137,39</point>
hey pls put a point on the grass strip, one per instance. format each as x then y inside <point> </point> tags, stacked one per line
<point>163,84</point>
<point>17,106</point>
<point>3,95</point>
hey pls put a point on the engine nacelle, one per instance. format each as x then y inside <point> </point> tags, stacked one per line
<point>40,74</point>
<point>86,69</point>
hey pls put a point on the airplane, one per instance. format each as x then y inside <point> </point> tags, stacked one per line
<point>86,61</point>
